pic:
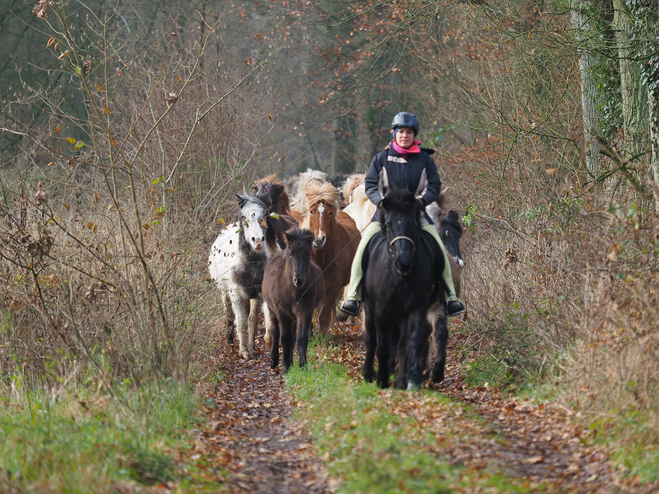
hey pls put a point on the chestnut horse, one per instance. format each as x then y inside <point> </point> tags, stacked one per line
<point>336,238</point>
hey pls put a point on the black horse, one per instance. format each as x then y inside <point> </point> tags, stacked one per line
<point>450,231</point>
<point>401,282</point>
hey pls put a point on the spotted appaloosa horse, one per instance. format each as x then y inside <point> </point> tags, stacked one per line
<point>335,242</point>
<point>236,263</point>
<point>292,289</point>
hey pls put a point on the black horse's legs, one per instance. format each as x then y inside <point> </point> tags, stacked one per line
<point>383,351</point>
<point>274,335</point>
<point>370,340</point>
<point>440,331</point>
<point>287,336</point>
<point>303,325</point>
<point>417,326</point>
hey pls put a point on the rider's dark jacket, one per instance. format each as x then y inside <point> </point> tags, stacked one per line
<point>415,172</point>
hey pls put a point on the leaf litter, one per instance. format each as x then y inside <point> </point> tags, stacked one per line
<point>250,433</point>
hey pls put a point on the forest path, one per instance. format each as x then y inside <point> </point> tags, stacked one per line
<point>252,435</point>
<point>264,451</point>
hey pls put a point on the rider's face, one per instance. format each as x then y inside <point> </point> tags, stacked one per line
<point>404,137</point>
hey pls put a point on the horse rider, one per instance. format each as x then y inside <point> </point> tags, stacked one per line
<point>402,165</point>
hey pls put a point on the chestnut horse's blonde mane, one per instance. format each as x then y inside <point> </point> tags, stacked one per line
<point>307,179</point>
<point>326,193</point>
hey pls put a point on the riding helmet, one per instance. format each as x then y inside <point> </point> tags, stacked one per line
<point>406,119</point>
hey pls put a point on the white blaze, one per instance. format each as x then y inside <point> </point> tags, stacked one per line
<point>321,210</point>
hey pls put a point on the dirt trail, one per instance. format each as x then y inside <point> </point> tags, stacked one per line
<point>252,435</point>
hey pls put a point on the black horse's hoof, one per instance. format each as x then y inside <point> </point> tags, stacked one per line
<point>437,374</point>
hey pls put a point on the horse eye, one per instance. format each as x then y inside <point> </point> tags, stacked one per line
<point>311,211</point>
<point>290,254</point>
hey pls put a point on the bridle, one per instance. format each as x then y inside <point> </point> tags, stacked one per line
<point>401,237</point>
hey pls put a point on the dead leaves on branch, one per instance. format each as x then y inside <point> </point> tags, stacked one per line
<point>40,9</point>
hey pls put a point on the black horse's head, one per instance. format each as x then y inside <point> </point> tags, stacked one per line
<point>299,254</point>
<point>399,217</point>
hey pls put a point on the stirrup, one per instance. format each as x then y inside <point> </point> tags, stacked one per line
<point>348,308</point>
<point>455,306</point>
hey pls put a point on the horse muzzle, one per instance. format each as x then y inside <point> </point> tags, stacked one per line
<point>298,280</point>
<point>258,244</point>
<point>319,243</point>
<point>403,270</point>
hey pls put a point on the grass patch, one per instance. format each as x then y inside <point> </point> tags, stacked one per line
<point>78,444</point>
<point>635,443</point>
<point>487,370</point>
<point>376,442</point>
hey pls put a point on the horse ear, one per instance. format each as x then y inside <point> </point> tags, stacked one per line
<point>242,200</point>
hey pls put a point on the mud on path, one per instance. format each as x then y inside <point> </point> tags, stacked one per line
<point>250,433</point>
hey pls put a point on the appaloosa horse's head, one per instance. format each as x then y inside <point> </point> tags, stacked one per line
<point>323,212</point>
<point>253,216</point>
<point>399,217</point>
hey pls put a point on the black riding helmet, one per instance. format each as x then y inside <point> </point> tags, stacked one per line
<point>406,119</point>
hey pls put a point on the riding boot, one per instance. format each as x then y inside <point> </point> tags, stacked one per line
<point>350,306</point>
<point>454,305</point>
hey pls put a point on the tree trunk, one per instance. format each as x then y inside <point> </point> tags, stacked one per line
<point>583,26</point>
<point>634,94</point>
<point>335,148</point>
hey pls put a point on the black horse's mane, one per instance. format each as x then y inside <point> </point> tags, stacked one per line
<point>453,219</point>
<point>400,198</point>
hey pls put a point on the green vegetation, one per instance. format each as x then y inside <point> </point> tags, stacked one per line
<point>75,441</point>
<point>367,438</point>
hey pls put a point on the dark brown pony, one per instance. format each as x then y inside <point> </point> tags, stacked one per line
<point>292,289</point>
<point>336,238</point>
<point>281,216</point>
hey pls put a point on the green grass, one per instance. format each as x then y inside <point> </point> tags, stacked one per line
<point>78,444</point>
<point>373,448</point>
<point>634,442</point>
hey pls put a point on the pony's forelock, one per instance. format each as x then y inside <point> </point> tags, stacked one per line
<point>325,192</point>
<point>299,235</point>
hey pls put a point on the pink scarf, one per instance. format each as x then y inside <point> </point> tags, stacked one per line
<point>414,148</point>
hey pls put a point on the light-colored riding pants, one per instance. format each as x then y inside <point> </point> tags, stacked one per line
<point>354,291</point>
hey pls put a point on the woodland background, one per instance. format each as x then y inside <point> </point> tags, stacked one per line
<point>127,128</point>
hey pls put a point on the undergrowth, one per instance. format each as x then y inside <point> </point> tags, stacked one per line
<point>79,440</point>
